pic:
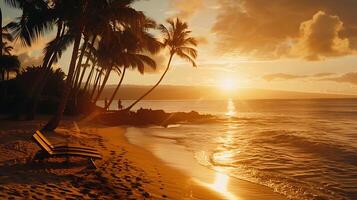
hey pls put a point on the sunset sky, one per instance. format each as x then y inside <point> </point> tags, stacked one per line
<point>297,45</point>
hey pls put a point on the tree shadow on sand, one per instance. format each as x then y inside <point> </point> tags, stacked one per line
<point>17,171</point>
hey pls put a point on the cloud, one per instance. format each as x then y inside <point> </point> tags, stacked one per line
<point>319,75</point>
<point>283,76</point>
<point>344,78</point>
<point>187,8</point>
<point>36,46</point>
<point>320,38</point>
<point>276,29</point>
<point>33,55</point>
<point>201,40</point>
<point>27,60</point>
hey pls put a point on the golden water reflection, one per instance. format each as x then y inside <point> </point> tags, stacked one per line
<point>221,185</point>
<point>231,108</point>
<point>221,180</point>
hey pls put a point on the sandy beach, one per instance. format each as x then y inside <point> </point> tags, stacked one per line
<point>127,171</point>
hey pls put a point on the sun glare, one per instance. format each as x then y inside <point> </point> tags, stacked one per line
<point>228,84</point>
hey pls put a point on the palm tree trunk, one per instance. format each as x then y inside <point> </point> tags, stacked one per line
<point>85,66</point>
<point>89,78</point>
<point>78,86</point>
<point>79,63</point>
<point>54,122</point>
<point>94,78</point>
<point>116,89</point>
<point>96,83</point>
<point>103,85</point>
<point>148,92</point>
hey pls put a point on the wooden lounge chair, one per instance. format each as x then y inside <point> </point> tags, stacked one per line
<point>66,147</point>
<point>47,152</point>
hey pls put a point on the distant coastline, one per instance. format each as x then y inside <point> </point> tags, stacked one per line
<point>171,92</point>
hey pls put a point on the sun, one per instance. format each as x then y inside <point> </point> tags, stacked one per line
<point>228,84</point>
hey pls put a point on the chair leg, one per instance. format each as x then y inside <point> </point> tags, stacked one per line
<point>92,163</point>
<point>39,156</point>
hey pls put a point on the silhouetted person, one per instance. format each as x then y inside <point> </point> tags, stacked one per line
<point>106,102</point>
<point>120,106</point>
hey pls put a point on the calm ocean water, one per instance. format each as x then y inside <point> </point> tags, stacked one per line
<point>304,149</point>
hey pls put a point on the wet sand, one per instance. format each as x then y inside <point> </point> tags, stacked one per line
<point>179,158</point>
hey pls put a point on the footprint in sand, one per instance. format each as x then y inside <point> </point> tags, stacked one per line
<point>49,197</point>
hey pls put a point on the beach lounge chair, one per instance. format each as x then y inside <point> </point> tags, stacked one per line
<point>47,152</point>
<point>71,147</point>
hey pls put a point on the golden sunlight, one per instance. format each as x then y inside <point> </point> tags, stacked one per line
<point>228,84</point>
<point>231,108</point>
<point>221,185</point>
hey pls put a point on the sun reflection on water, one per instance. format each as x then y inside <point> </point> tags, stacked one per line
<point>221,181</point>
<point>231,108</point>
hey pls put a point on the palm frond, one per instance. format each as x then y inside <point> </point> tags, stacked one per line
<point>186,57</point>
<point>189,50</point>
<point>57,46</point>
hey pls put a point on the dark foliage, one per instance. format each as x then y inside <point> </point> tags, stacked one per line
<point>54,86</point>
<point>19,88</point>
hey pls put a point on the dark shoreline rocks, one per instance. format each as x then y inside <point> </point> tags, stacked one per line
<point>146,117</point>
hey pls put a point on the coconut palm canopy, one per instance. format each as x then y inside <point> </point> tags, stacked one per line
<point>106,35</point>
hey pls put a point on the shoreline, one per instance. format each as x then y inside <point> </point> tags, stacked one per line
<point>180,159</point>
<point>164,181</point>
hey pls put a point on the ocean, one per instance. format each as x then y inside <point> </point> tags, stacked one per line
<point>303,149</point>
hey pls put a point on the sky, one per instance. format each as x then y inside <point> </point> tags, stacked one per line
<point>295,45</point>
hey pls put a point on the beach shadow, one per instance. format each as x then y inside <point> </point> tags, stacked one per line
<point>40,173</point>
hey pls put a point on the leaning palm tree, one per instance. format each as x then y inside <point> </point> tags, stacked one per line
<point>134,61</point>
<point>127,45</point>
<point>177,39</point>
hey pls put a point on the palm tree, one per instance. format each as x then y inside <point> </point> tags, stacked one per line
<point>96,80</point>
<point>53,52</point>
<point>89,18</point>
<point>177,39</point>
<point>127,45</point>
<point>135,61</point>
<point>85,66</point>
<point>37,19</point>
<point>91,54</point>
<point>8,64</point>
